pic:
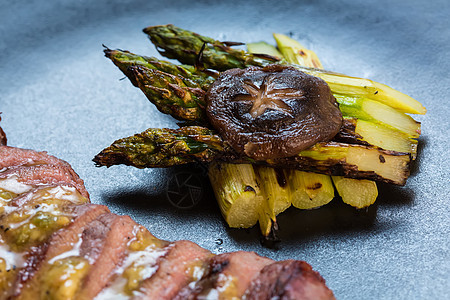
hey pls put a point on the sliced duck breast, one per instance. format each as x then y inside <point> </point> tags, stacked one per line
<point>227,277</point>
<point>105,245</point>
<point>63,243</point>
<point>11,158</point>
<point>175,270</point>
<point>290,279</point>
<point>44,175</point>
<point>31,218</point>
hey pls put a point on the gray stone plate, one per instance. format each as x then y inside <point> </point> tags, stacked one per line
<point>58,93</point>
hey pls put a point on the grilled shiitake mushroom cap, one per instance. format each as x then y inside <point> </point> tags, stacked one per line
<point>272,112</point>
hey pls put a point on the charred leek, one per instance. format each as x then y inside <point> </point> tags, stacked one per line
<point>241,200</point>
<point>314,190</point>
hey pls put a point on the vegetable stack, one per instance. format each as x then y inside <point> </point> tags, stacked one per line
<point>376,142</point>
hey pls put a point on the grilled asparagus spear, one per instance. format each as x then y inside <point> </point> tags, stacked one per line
<point>161,148</point>
<point>155,148</point>
<point>373,132</point>
<point>170,95</point>
<point>190,75</point>
<point>185,45</point>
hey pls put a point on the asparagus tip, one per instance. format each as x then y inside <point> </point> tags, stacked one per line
<point>148,29</point>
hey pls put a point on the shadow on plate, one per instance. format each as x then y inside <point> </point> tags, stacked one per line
<point>188,193</point>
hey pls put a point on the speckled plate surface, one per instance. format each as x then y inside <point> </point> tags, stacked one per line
<point>58,93</point>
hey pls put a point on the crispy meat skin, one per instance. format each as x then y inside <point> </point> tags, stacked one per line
<point>105,241</point>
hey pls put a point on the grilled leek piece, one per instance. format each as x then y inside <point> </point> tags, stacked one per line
<point>314,190</point>
<point>379,113</point>
<point>296,53</point>
<point>263,48</point>
<point>384,137</point>
<point>309,190</point>
<point>357,193</point>
<point>240,200</point>
<point>275,188</point>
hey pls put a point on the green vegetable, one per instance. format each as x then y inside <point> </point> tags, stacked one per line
<point>155,148</point>
<point>184,45</point>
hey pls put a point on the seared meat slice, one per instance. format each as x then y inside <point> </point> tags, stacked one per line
<point>31,218</point>
<point>55,246</point>
<point>45,175</point>
<point>2,136</point>
<point>105,245</point>
<point>11,158</point>
<point>176,270</point>
<point>145,250</point>
<point>46,194</point>
<point>15,157</point>
<point>62,243</point>
<point>290,279</point>
<point>227,276</point>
